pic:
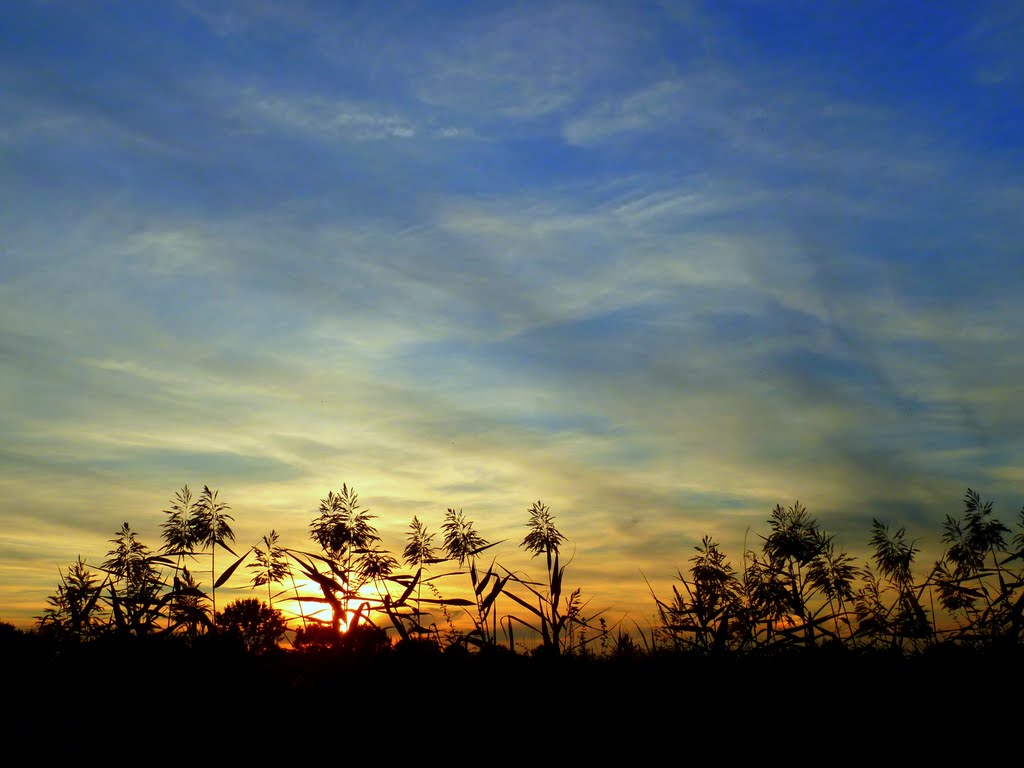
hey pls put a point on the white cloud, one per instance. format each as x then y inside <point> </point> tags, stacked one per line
<point>649,109</point>
<point>326,117</point>
<point>166,252</point>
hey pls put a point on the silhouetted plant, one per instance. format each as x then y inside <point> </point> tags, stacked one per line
<point>211,529</point>
<point>624,647</point>
<point>551,617</point>
<point>343,529</point>
<point>271,566</point>
<point>462,544</point>
<point>353,559</point>
<point>791,593</point>
<point>874,624</point>
<point>976,538</point>
<point>834,575</point>
<point>576,638</point>
<point>544,538</point>
<point>419,549</point>
<point>796,592</point>
<point>135,583</point>
<point>378,566</point>
<point>973,580</point>
<point>75,611</point>
<point>800,585</point>
<point>419,552</point>
<point>766,603</point>
<point>904,620</point>
<point>700,619</point>
<point>795,543</point>
<point>461,541</point>
<point>795,536</point>
<point>180,527</point>
<point>179,532</point>
<point>188,611</point>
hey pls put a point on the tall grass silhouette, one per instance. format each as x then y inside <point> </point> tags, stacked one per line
<point>798,591</point>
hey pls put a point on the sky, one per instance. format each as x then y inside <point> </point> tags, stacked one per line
<point>660,265</point>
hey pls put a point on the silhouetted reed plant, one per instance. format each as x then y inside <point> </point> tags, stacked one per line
<point>797,591</point>
<point>800,592</point>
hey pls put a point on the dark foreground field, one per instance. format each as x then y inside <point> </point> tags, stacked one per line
<point>136,700</point>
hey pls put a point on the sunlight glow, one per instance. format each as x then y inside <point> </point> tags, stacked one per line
<point>304,602</point>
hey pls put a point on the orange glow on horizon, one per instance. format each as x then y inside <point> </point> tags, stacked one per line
<point>314,607</point>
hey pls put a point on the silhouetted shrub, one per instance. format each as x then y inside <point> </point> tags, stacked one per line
<point>254,624</point>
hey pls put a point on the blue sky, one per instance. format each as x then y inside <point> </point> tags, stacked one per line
<point>659,265</point>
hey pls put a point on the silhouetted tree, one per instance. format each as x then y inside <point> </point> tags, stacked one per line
<point>256,625</point>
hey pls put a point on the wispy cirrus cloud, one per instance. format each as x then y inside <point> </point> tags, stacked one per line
<point>327,118</point>
<point>517,63</point>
